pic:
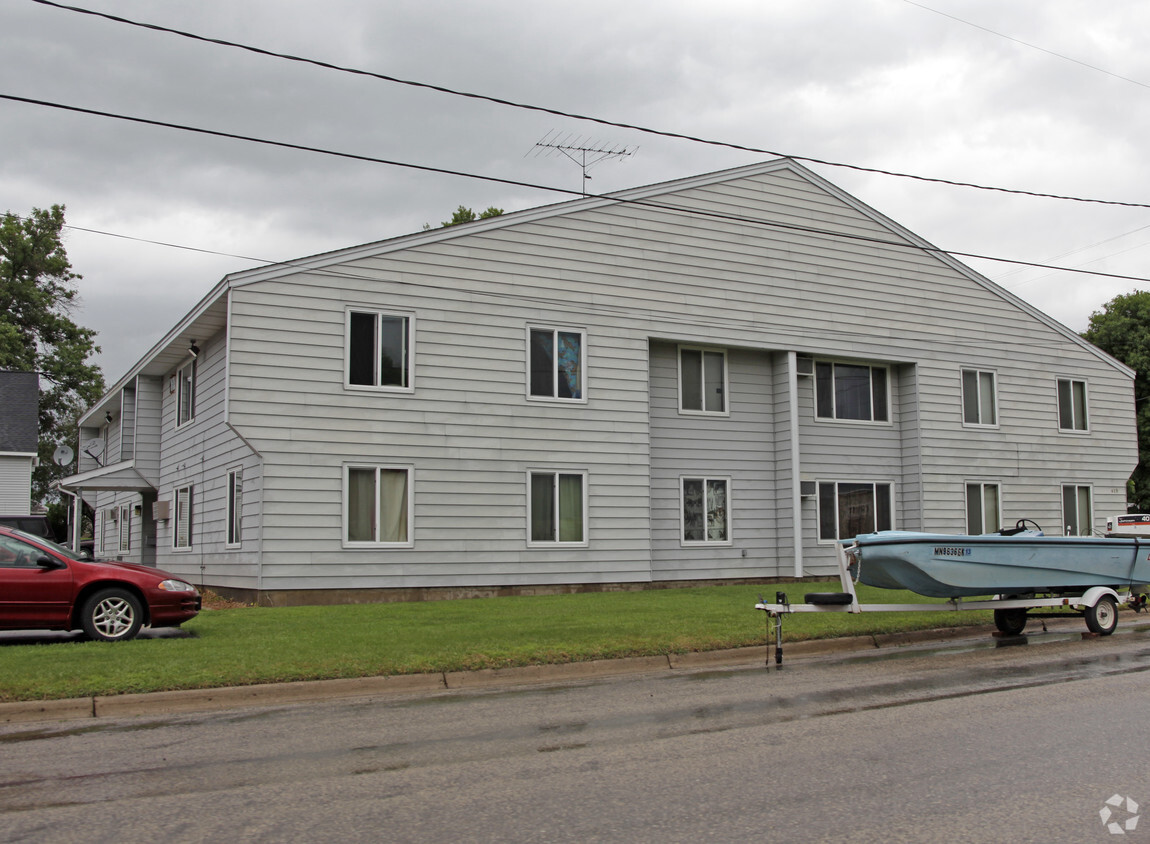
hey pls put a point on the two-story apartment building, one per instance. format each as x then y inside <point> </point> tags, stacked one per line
<point>709,379</point>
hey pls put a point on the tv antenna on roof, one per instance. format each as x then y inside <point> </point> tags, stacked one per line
<point>583,151</point>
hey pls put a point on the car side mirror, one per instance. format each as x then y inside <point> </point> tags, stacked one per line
<point>46,562</point>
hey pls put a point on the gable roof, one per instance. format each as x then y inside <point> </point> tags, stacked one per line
<point>210,315</point>
<point>20,421</point>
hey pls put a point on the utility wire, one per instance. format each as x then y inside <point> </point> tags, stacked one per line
<point>510,103</point>
<point>660,206</point>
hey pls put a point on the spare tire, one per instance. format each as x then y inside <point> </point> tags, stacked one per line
<point>829,599</point>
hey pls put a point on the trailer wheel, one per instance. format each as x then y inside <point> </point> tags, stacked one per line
<point>1102,618</point>
<point>1010,622</point>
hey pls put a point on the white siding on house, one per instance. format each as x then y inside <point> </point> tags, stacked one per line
<point>15,484</point>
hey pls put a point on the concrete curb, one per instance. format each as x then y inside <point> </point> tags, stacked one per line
<point>275,694</point>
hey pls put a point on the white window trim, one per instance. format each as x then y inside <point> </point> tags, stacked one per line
<point>187,489</point>
<point>962,397</point>
<point>541,543</point>
<point>726,411</point>
<point>1078,432</point>
<point>124,530</point>
<point>837,482</point>
<point>378,388</point>
<point>232,513</point>
<point>706,543</point>
<point>982,500</point>
<point>835,420</point>
<point>583,371</point>
<point>399,467</point>
<point>179,378</point>
<point>1061,499</point>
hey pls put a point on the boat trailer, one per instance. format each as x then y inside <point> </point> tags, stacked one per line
<point>1098,605</point>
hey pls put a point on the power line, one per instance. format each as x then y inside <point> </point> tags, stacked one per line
<point>698,212</point>
<point>512,104</point>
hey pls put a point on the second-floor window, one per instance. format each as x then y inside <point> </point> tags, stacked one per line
<point>186,393</point>
<point>851,391</point>
<point>556,364</point>
<point>979,402</point>
<point>702,380</point>
<point>379,350</point>
<point>1072,405</point>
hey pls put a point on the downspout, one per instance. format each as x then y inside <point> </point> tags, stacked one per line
<point>796,483</point>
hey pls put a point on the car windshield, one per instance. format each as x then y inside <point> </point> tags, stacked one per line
<point>48,543</point>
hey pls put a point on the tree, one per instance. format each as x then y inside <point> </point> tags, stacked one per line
<point>463,214</point>
<point>1122,329</point>
<point>37,334</point>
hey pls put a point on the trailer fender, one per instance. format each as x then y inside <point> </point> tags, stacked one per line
<point>1094,594</point>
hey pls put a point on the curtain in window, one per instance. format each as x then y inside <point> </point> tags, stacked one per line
<point>717,511</point>
<point>990,508</point>
<point>986,410</point>
<point>570,508</point>
<point>694,512</point>
<point>856,509</point>
<point>542,508</point>
<point>570,365</point>
<point>184,518</point>
<point>393,505</point>
<point>361,505</point>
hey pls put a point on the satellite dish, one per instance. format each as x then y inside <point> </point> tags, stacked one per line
<point>63,455</point>
<point>94,448</point>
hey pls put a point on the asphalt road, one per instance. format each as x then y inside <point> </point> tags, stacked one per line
<point>959,743</point>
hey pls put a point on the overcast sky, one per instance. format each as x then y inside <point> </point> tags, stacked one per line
<point>1049,96</point>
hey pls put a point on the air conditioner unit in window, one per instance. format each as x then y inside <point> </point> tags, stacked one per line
<point>807,489</point>
<point>804,365</point>
<point>160,510</point>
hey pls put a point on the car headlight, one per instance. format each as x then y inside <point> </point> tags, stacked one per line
<point>177,586</point>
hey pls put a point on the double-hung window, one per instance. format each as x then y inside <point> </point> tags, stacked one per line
<point>235,506</point>
<point>983,509</point>
<point>702,380</point>
<point>1072,405</point>
<point>1077,510</point>
<point>377,506</point>
<point>182,533</point>
<point>705,510</point>
<point>379,350</point>
<point>556,508</point>
<point>851,391</point>
<point>556,364</point>
<point>185,393</point>
<point>847,509</point>
<point>979,401</point>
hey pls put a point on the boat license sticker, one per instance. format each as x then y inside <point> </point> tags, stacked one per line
<point>952,551</point>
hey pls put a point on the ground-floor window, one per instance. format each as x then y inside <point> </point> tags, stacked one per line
<point>557,507</point>
<point>125,529</point>
<point>847,509</point>
<point>377,505</point>
<point>182,535</point>
<point>1077,510</point>
<point>235,501</point>
<point>983,509</point>
<point>705,510</point>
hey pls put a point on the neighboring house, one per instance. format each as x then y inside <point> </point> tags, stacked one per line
<point>19,440</point>
<point>711,379</point>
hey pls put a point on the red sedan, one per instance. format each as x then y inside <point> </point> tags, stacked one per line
<point>46,587</point>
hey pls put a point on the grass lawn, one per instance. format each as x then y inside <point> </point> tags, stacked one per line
<point>249,645</point>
